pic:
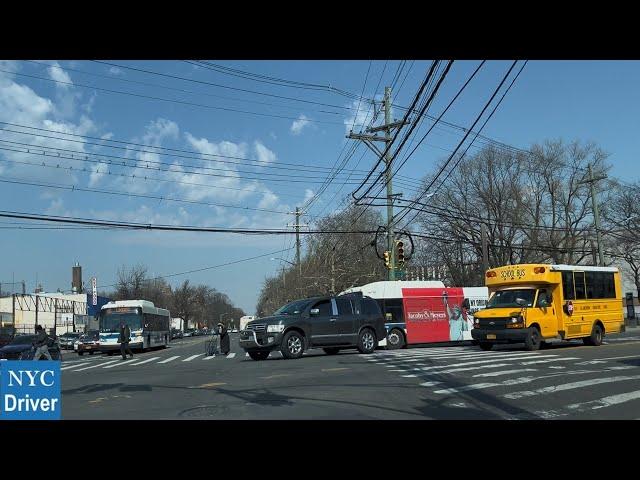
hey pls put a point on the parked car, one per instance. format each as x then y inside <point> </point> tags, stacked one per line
<point>188,332</point>
<point>175,333</point>
<point>6,335</point>
<point>21,348</point>
<point>89,342</point>
<point>332,323</point>
<point>235,330</point>
<point>67,340</point>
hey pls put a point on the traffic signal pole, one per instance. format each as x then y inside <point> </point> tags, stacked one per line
<point>368,139</point>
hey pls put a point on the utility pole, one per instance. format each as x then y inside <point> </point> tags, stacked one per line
<point>485,250</point>
<point>298,213</point>
<point>596,216</point>
<point>368,139</point>
<point>333,276</point>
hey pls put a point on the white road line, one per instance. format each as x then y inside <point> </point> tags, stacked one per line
<point>429,384</point>
<point>188,359</point>
<point>569,386</point>
<point>120,363</point>
<point>617,358</point>
<point>246,354</point>
<point>210,357</point>
<point>463,364</point>
<point>465,356</point>
<point>562,359</point>
<point>465,369</point>
<point>504,372</point>
<point>96,366</point>
<point>231,355</point>
<point>146,361</point>
<point>75,366</point>
<point>606,401</point>
<point>170,359</point>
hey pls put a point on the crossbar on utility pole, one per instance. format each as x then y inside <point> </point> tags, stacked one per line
<point>596,216</point>
<point>367,139</point>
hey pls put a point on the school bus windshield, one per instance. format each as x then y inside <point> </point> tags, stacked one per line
<point>507,298</point>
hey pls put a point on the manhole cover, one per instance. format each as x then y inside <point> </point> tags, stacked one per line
<point>205,411</point>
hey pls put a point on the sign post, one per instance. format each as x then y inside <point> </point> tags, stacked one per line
<point>94,289</point>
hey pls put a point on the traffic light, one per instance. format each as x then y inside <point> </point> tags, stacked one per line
<point>387,259</point>
<point>400,253</point>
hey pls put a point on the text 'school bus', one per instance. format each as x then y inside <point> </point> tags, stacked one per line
<point>148,324</point>
<point>535,302</point>
<point>424,311</point>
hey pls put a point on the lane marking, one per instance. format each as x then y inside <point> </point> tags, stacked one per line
<point>120,363</point>
<point>570,386</point>
<point>231,355</point>
<point>95,366</point>
<point>334,369</point>
<point>170,359</point>
<point>505,372</point>
<point>188,359</point>
<point>146,361</point>
<point>210,357</point>
<point>562,359</point>
<point>75,366</point>
<point>277,375</point>
<point>606,401</point>
<point>209,385</point>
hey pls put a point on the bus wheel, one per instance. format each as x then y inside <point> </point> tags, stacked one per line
<point>395,339</point>
<point>486,346</point>
<point>596,337</point>
<point>533,340</point>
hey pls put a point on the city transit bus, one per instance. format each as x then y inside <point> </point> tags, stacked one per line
<point>532,303</point>
<point>418,312</point>
<point>148,324</point>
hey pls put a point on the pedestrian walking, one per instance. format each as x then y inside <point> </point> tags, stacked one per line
<point>41,343</point>
<point>225,343</point>
<point>123,339</point>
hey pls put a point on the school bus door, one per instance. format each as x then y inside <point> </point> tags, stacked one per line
<point>545,312</point>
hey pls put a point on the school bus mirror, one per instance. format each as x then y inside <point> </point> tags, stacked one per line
<point>543,303</point>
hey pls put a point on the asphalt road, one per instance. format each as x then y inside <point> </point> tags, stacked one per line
<point>564,381</point>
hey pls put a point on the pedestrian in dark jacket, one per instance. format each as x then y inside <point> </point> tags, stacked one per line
<point>41,343</point>
<point>123,340</point>
<point>225,343</point>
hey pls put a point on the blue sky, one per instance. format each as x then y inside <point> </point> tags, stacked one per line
<point>586,100</point>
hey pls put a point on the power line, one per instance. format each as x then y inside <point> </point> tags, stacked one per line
<point>205,268</point>
<point>176,77</point>
<point>432,182</point>
<point>181,90</point>
<point>180,102</point>
<point>200,156</point>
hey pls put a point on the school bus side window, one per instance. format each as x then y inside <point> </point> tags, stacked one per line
<point>567,286</point>
<point>578,280</point>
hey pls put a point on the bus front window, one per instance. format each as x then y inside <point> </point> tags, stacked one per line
<point>507,298</point>
<point>111,322</point>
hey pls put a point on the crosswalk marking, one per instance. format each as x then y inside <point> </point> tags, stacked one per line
<point>466,369</point>
<point>120,363</point>
<point>210,357</point>
<point>188,359</point>
<point>479,362</point>
<point>504,372</point>
<point>96,366</point>
<point>146,361</point>
<point>563,359</point>
<point>231,355</point>
<point>75,366</point>
<point>606,401</point>
<point>570,386</point>
<point>170,359</point>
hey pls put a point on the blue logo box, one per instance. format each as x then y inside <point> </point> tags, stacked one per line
<point>30,390</point>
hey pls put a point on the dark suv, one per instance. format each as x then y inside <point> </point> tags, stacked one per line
<point>333,323</point>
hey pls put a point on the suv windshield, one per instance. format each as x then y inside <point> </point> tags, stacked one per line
<point>507,298</point>
<point>293,308</point>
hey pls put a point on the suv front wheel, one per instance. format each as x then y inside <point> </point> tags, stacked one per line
<point>292,345</point>
<point>367,341</point>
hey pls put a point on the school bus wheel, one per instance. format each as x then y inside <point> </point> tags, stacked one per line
<point>595,339</point>
<point>532,342</point>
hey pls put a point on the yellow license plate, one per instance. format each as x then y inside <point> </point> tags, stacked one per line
<point>491,336</point>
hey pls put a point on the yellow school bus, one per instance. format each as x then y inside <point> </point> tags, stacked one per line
<point>532,303</point>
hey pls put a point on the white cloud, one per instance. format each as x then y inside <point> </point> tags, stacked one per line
<point>360,115</point>
<point>269,200</point>
<point>115,71</point>
<point>299,124</point>
<point>273,135</point>
<point>265,156</point>
<point>308,193</point>
<point>57,73</point>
